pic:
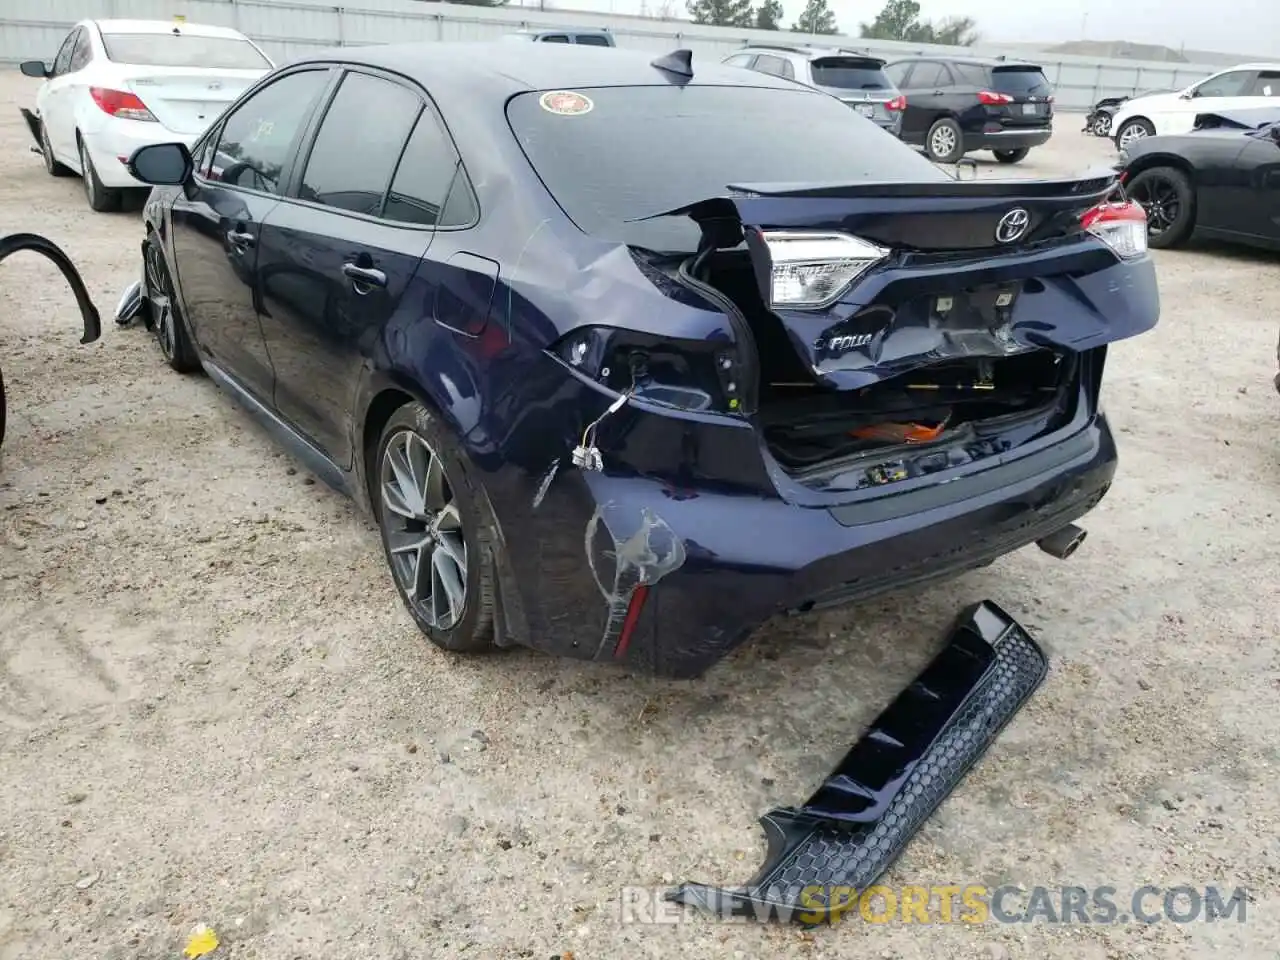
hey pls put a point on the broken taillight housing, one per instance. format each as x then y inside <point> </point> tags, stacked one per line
<point>1121,226</point>
<point>694,375</point>
<point>812,270</point>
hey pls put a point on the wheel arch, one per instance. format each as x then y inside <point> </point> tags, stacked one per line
<point>382,394</point>
<point>1150,161</point>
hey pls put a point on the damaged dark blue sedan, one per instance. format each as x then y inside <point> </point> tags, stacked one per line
<point>628,355</point>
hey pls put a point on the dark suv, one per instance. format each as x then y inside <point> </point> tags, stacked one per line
<point>959,104</point>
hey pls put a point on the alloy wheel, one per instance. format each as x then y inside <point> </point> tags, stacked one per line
<point>86,174</point>
<point>423,528</point>
<point>160,303</point>
<point>1159,197</point>
<point>45,148</point>
<point>1132,134</point>
<point>943,141</point>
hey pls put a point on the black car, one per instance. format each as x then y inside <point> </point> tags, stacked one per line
<point>1222,180</point>
<point>956,105</point>
<point>625,355</point>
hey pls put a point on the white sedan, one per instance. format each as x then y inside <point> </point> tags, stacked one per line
<point>1242,87</point>
<point>118,84</point>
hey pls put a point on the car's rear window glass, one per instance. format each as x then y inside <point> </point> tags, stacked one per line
<point>1021,81</point>
<point>173,50</point>
<point>639,151</point>
<point>849,73</point>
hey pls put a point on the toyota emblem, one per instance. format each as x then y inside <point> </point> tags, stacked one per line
<point>1012,225</point>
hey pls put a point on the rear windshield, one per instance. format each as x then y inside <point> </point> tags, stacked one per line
<point>1021,81</point>
<point>175,50</point>
<point>640,151</point>
<point>849,73</point>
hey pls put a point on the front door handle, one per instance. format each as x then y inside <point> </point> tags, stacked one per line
<point>363,277</point>
<point>240,239</point>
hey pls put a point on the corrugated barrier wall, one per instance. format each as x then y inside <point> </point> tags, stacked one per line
<point>33,29</point>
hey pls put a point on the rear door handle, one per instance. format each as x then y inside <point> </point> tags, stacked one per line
<point>240,239</point>
<point>365,277</point>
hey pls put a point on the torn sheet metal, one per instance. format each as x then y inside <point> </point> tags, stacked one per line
<point>643,550</point>
<point>823,854</point>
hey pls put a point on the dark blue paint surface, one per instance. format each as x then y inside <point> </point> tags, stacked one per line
<point>464,322</point>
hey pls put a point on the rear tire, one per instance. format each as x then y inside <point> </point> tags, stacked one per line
<point>425,492</point>
<point>945,141</point>
<point>52,166</point>
<point>101,199</point>
<point>1012,156</point>
<point>1170,201</point>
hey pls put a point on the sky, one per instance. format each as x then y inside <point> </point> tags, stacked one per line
<point>1252,28</point>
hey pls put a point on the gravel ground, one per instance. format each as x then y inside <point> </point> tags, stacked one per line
<point>213,708</point>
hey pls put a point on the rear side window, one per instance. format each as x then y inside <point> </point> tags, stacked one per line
<point>739,60</point>
<point>897,73</point>
<point>422,184</point>
<point>971,75</point>
<point>1020,81</point>
<point>257,140</point>
<point>849,73</point>
<point>775,66</point>
<point>593,40</point>
<point>359,142</point>
<point>929,76</point>
<point>1267,84</point>
<point>641,151</point>
<point>183,50</point>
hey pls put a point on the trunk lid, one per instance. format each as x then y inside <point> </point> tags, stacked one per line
<point>187,100</point>
<point>944,286</point>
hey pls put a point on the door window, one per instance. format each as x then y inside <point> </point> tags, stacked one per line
<point>257,140</point>
<point>1233,84</point>
<point>970,74</point>
<point>1267,84</point>
<point>740,60</point>
<point>62,62</point>
<point>897,72</point>
<point>928,76</point>
<point>775,66</point>
<point>361,137</point>
<point>555,38</point>
<point>83,52</point>
<point>592,40</point>
<point>421,193</point>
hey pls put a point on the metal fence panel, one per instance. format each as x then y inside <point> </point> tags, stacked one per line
<point>292,28</point>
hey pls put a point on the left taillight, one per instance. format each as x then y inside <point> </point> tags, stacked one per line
<point>120,104</point>
<point>694,375</point>
<point>1121,226</point>
<point>811,270</point>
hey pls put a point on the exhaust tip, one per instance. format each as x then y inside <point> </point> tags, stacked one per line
<point>1064,542</point>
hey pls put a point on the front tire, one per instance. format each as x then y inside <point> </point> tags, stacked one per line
<point>1134,130</point>
<point>433,522</point>
<point>101,199</point>
<point>164,319</point>
<point>1012,156</point>
<point>51,166</point>
<point>1170,201</point>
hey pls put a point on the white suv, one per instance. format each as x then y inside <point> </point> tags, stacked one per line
<point>1236,88</point>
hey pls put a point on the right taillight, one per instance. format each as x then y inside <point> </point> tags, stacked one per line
<point>992,99</point>
<point>120,104</point>
<point>897,103</point>
<point>1121,226</point>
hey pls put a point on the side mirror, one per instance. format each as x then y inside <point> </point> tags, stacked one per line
<point>35,68</point>
<point>162,164</point>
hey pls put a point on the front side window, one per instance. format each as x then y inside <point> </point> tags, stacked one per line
<point>360,139</point>
<point>82,54</point>
<point>183,50</point>
<point>62,63</point>
<point>258,138</point>
<point>1233,84</point>
<point>555,38</point>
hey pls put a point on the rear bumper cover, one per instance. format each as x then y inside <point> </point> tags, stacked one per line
<point>824,854</point>
<point>1008,139</point>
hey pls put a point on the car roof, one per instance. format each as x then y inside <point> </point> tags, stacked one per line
<point>496,69</point>
<point>557,30</point>
<point>811,51</point>
<point>110,27</point>
<point>1261,65</point>
<point>973,61</point>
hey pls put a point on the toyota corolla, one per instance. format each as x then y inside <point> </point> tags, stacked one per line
<point>628,355</point>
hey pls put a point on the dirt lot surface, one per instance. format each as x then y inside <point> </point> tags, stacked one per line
<point>214,710</point>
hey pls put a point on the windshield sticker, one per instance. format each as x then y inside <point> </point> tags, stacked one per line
<point>565,103</point>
